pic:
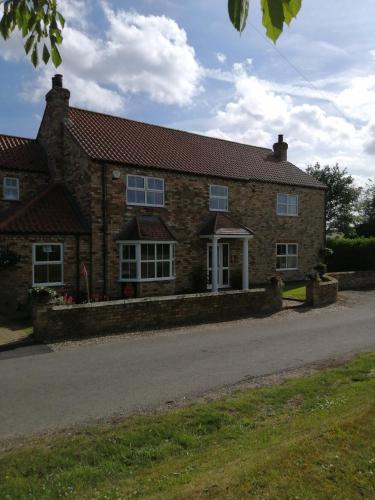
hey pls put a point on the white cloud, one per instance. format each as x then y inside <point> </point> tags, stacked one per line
<point>221,57</point>
<point>260,109</point>
<point>137,54</point>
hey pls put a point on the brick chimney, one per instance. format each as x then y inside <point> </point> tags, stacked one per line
<point>51,131</point>
<point>280,149</point>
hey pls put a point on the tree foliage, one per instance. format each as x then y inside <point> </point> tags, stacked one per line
<point>366,227</point>
<point>41,24</point>
<point>275,14</point>
<point>342,197</point>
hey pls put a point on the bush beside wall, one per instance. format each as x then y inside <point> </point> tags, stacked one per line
<point>357,254</point>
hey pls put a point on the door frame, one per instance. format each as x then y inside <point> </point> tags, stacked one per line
<point>219,265</point>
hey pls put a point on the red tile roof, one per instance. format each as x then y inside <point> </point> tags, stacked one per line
<point>51,212</point>
<point>146,228</point>
<point>222,224</point>
<point>109,138</point>
<point>19,153</point>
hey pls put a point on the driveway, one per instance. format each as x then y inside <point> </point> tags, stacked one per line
<point>42,390</point>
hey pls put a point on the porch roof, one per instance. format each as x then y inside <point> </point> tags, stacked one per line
<point>53,211</point>
<point>224,226</point>
<point>146,228</point>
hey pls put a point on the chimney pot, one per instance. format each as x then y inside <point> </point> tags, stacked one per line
<point>281,138</point>
<point>57,81</point>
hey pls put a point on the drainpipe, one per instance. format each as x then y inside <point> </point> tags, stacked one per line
<point>104,228</point>
<point>78,265</point>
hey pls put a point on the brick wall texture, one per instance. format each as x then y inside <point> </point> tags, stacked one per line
<point>52,323</point>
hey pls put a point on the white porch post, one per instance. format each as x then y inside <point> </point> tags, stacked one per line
<point>245,264</point>
<point>214,264</point>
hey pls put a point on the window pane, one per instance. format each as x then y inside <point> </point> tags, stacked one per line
<point>54,273</point>
<point>54,253</point>
<point>225,255</point>
<point>128,252</point>
<point>154,198</point>
<point>282,198</point>
<point>214,204</point>
<point>281,249</point>
<point>292,249</point>
<point>219,191</point>
<point>129,270</point>
<point>153,183</point>
<point>225,277</point>
<point>163,269</point>
<point>159,252</point>
<point>11,182</point>
<point>222,203</point>
<point>281,263</point>
<point>40,274</point>
<point>135,181</point>
<point>282,209</point>
<point>136,197</point>
<point>292,210</point>
<point>147,252</point>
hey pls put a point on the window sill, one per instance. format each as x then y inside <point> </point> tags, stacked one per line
<point>288,215</point>
<point>218,210</point>
<point>145,206</point>
<point>289,269</point>
<point>151,280</point>
<point>48,284</point>
<point>11,199</point>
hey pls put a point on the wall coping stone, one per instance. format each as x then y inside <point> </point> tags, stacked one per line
<point>164,298</point>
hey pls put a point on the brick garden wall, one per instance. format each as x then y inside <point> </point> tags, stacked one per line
<point>52,323</point>
<point>354,279</point>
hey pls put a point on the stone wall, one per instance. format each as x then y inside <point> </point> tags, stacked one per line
<point>52,323</point>
<point>16,281</point>
<point>354,279</point>
<point>30,184</point>
<point>321,293</point>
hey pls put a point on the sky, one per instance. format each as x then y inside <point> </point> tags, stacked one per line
<point>182,65</point>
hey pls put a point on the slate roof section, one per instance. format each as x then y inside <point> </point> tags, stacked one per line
<point>19,153</point>
<point>53,211</point>
<point>223,225</point>
<point>114,139</point>
<point>146,228</point>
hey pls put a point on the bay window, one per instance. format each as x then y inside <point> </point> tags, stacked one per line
<point>147,261</point>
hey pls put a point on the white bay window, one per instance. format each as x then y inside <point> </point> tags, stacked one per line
<point>147,261</point>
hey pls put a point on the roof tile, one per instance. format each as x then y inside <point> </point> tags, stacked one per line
<point>22,154</point>
<point>114,139</point>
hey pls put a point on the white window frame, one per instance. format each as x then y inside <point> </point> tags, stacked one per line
<point>287,255</point>
<point>138,260</point>
<point>17,188</point>
<point>288,205</point>
<point>146,190</point>
<point>43,263</point>
<point>212,196</point>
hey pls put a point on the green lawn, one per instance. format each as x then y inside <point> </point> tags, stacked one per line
<point>295,290</point>
<point>310,438</point>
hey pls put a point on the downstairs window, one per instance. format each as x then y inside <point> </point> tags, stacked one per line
<point>147,261</point>
<point>48,264</point>
<point>286,256</point>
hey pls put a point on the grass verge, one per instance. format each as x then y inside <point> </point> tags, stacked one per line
<point>312,437</point>
<point>295,291</point>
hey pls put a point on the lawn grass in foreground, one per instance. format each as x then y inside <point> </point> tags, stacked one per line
<point>312,437</point>
<point>295,290</point>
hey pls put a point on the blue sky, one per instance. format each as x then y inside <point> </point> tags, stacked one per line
<point>181,64</point>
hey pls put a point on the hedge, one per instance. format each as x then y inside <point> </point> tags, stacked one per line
<point>357,254</point>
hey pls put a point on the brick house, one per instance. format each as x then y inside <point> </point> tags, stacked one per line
<point>149,210</point>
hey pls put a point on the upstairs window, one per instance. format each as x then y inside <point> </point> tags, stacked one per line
<point>219,198</point>
<point>286,256</point>
<point>146,191</point>
<point>287,204</point>
<point>48,264</point>
<point>147,261</point>
<point>11,188</point>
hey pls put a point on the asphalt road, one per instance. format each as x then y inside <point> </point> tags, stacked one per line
<point>42,390</point>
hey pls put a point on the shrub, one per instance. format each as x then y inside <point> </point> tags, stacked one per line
<point>321,269</point>
<point>357,254</point>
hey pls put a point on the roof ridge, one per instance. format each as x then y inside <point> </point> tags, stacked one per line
<point>171,128</point>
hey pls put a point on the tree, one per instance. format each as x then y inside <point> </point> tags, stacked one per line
<point>342,197</point>
<point>41,24</point>
<point>366,227</point>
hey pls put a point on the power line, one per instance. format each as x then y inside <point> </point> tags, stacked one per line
<point>297,70</point>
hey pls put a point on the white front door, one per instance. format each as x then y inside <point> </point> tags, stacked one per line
<point>223,270</point>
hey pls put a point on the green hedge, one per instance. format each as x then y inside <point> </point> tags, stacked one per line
<point>357,254</point>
